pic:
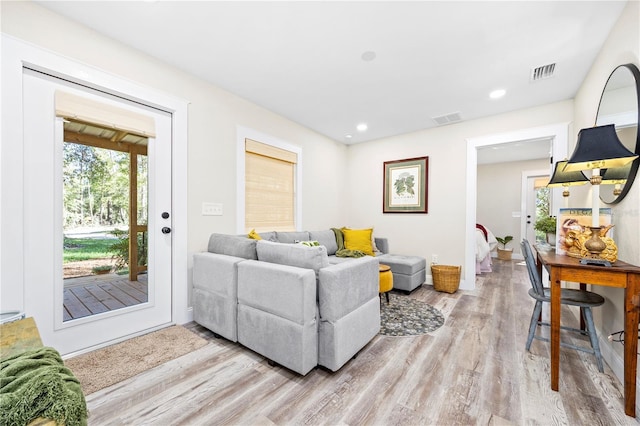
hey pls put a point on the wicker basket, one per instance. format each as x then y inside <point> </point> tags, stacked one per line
<point>446,278</point>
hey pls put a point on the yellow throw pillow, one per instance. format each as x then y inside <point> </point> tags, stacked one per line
<point>254,235</point>
<point>358,239</point>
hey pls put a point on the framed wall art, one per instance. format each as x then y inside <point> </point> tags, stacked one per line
<point>406,186</point>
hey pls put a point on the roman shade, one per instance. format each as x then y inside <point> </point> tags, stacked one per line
<point>269,187</point>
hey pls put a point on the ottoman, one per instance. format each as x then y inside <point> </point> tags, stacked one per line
<point>386,280</point>
<point>409,272</point>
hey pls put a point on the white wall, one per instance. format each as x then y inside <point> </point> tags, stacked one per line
<point>442,230</point>
<point>499,191</point>
<point>622,46</point>
<point>214,115</point>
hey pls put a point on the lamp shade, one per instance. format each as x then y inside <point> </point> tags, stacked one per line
<point>612,176</point>
<point>599,148</point>
<point>561,177</point>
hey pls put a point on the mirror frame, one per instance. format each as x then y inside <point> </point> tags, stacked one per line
<point>634,166</point>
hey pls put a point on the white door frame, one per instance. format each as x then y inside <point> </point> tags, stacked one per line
<point>15,55</point>
<point>560,136</point>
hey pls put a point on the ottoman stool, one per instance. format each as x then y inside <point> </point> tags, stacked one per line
<point>386,281</point>
<point>409,272</point>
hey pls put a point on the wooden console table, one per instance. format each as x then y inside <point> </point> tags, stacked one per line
<point>621,275</point>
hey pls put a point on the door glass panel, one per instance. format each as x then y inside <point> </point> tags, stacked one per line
<point>543,209</point>
<point>104,203</point>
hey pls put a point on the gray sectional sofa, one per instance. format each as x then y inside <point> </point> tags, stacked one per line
<point>296,305</point>
<point>287,302</point>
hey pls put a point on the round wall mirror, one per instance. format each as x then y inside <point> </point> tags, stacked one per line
<point>619,106</point>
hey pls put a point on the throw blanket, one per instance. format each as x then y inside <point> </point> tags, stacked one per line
<point>36,383</point>
<point>343,252</point>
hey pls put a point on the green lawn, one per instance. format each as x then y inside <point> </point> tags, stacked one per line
<point>78,249</point>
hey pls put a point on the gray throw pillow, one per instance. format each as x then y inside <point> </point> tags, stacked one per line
<point>325,238</point>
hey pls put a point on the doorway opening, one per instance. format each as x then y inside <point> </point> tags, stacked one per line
<point>105,216</point>
<point>558,133</point>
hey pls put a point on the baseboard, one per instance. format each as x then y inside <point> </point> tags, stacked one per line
<point>614,360</point>
<point>188,316</point>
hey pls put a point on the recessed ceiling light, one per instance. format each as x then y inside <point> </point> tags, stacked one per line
<point>362,127</point>
<point>497,94</point>
<point>348,136</point>
<point>368,56</point>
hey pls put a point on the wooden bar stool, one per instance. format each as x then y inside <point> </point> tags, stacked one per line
<point>386,280</point>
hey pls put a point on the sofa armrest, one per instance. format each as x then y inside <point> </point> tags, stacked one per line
<point>216,273</point>
<point>282,290</point>
<point>346,286</point>
<point>382,244</point>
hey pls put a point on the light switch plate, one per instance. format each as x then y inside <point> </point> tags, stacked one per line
<point>211,209</point>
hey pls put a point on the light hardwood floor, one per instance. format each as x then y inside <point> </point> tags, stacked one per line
<point>472,371</point>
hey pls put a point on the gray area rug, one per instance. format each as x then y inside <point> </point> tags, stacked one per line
<point>404,316</point>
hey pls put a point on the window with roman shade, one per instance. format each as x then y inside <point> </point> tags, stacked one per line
<point>269,187</point>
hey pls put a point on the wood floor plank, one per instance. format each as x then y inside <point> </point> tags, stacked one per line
<point>74,306</point>
<point>472,371</point>
<point>118,294</point>
<point>132,290</point>
<point>104,297</point>
<point>88,300</point>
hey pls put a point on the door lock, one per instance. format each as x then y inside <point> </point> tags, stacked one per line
<point>166,230</point>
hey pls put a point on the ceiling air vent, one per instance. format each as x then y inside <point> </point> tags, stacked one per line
<point>447,118</point>
<point>540,73</point>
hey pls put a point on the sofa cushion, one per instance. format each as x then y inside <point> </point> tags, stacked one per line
<point>358,239</point>
<point>292,237</point>
<point>232,245</point>
<point>269,236</point>
<point>400,264</point>
<point>325,238</point>
<point>293,254</point>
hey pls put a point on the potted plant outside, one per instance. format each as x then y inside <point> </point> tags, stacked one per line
<point>101,270</point>
<point>547,225</point>
<point>505,253</point>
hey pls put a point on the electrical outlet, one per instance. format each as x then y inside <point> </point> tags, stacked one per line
<point>434,258</point>
<point>211,209</point>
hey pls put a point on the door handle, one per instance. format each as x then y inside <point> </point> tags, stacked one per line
<point>166,230</point>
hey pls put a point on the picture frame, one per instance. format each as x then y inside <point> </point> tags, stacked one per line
<point>405,185</point>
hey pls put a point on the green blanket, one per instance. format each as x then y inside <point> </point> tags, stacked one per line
<point>343,252</point>
<point>36,383</point>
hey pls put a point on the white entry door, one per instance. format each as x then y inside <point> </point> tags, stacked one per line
<point>43,229</point>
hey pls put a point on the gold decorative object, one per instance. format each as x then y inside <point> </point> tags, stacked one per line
<point>576,244</point>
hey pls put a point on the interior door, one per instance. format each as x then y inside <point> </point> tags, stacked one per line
<point>530,196</point>
<point>43,230</point>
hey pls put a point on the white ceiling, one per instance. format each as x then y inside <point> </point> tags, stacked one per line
<point>303,59</point>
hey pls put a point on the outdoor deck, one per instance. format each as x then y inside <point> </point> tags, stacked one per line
<point>96,294</point>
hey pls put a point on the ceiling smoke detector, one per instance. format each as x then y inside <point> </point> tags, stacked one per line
<point>542,72</point>
<point>447,118</point>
